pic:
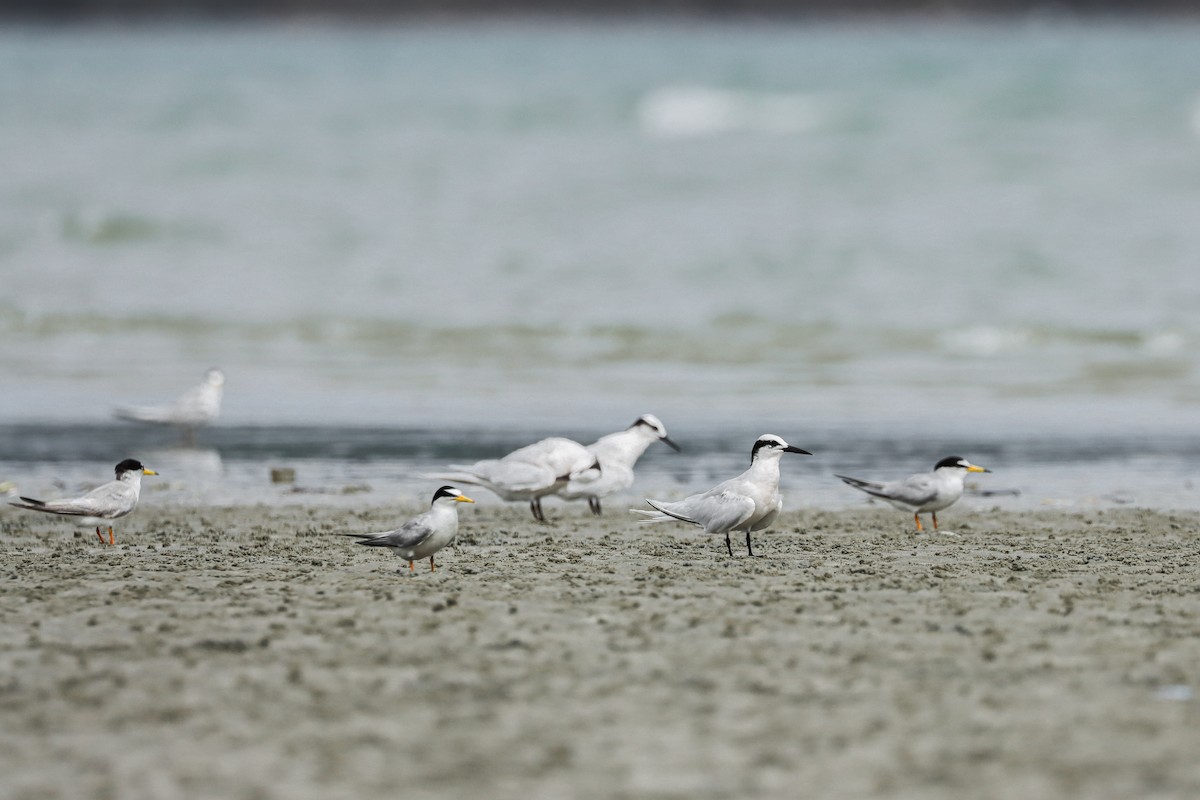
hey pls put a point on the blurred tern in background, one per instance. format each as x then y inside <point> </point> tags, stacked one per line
<point>531,472</point>
<point>194,409</point>
<point>617,453</point>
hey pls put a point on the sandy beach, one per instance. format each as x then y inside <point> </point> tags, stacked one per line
<point>252,652</point>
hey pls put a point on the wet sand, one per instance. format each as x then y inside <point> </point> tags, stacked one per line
<point>253,653</point>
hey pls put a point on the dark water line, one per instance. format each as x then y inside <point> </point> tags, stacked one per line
<point>33,443</point>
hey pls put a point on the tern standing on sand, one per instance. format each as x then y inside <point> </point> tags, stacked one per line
<point>112,500</point>
<point>424,534</point>
<point>749,502</point>
<point>925,492</point>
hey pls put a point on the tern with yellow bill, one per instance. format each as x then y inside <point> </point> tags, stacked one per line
<point>424,534</point>
<point>110,501</point>
<point>925,492</point>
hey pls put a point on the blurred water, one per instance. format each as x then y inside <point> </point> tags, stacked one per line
<point>896,235</point>
<point>352,466</point>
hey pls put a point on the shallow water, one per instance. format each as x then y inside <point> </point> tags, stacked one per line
<point>882,240</point>
<point>352,467</point>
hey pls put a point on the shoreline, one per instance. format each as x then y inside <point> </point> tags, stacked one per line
<point>251,652</point>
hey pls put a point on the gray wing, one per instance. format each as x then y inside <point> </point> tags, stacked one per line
<point>559,455</point>
<point>915,490</point>
<point>514,476</point>
<point>522,476</point>
<point>716,512</point>
<point>113,499</point>
<point>406,537</point>
<point>726,511</point>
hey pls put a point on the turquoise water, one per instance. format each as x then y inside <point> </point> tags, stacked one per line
<point>875,236</point>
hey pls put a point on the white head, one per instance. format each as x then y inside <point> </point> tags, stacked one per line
<point>957,464</point>
<point>653,425</point>
<point>770,445</point>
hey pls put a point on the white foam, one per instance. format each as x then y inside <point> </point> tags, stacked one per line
<point>692,111</point>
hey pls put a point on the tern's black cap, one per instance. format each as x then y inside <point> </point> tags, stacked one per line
<point>950,461</point>
<point>129,465</point>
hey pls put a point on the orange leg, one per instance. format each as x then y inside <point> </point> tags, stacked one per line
<point>917,518</point>
<point>411,568</point>
<point>99,535</point>
<point>111,538</point>
<point>432,568</point>
<point>935,520</point>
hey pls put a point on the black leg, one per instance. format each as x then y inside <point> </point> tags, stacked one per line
<point>748,550</point>
<point>594,505</point>
<point>535,505</point>
<point>728,546</point>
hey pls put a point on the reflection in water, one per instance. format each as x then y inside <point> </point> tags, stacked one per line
<point>183,463</point>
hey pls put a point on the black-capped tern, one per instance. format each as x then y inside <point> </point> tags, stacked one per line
<point>424,534</point>
<point>925,492</point>
<point>110,501</point>
<point>749,502</point>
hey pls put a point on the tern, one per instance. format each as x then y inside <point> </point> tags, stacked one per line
<point>925,492</point>
<point>424,534</point>
<point>749,502</point>
<point>193,409</point>
<point>617,453</point>
<point>110,501</point>
<point>531,472</point>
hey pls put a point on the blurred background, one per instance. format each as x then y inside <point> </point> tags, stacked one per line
<point>411,233</point>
